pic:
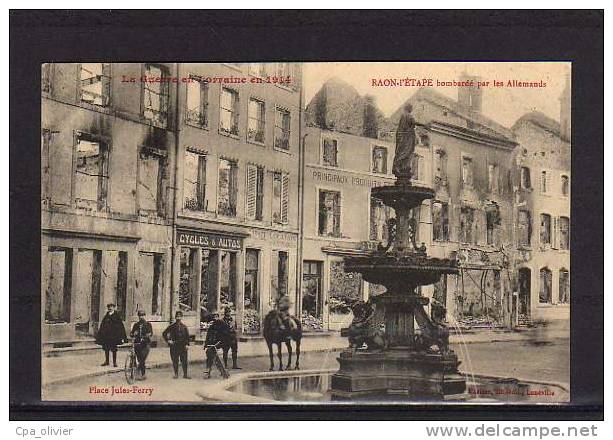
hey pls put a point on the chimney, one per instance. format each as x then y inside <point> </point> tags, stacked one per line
<point>470,97</point>
<point>565,110</point>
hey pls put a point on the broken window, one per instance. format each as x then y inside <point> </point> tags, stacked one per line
<point>254,192</point>
<point>379,160</point>
<point>545,286</point>
<point>91,173</point>
<point>280,197</point>
<point>440,221</point>
<point>564,233</point>
<point>280,279</point>
<point>150,283</point>
<point>564,286</point>
<point>58,285</point>
<point>282,129</point>
<point>197,104</point>
<point>440,166</point>
<point>152,180</point>
<point>525,178</point>
<point>257,69</point>
<point>493,178</point>
<point>379,215</point>
<point>95,83</point>
<point>545,229</point>
<point>256,121</point>
<point>467,224</point>
<point>156,95</point>
<point>565,185</point>
<point>330,152</point>
<point>228,118</point>
<point>524,227</point>
<point>227,187</point>
<point>544,182</point>
<point>330,213</point>
<point>467,171</point>
<point>194,181</point>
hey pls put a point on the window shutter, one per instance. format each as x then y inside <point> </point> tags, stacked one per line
<point>252,175</point>
<point>204,89</point>
<point>555,237</point>
<point>259,203</point>
<point>201,189</point>
<point>285,199</point>
<point>337,214</point>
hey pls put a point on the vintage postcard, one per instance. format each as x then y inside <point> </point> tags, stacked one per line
<point>322,232</point>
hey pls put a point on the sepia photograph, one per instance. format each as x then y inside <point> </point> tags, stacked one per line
<point>306,233</point>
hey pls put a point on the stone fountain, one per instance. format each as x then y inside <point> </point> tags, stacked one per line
<point>404,361</point>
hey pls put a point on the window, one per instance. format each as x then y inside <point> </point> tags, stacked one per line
<point>254,192</point>
<point>440,166</point>
<point>228,118</point>
<point>282,129</point>
<point>330,213</point>
<point>95,83</point>
<point>564,288</point>
<point>58,285</point>
<point>257,69</point>
<point>227,188</point>
<point>565,185</point>
<point>255,128</point>
<point>227,280</point>
<point>544,182</point>
<point>152,180</point>
<point>150,283</point>
<point>467,171</point>
<point>467,224</point>
<point>545,229</point>
<point>440,221</point>
<point>251,300</point>
<point>524,227</point>
<point>91,178</point>
<point>280,198</point>
<point>379,160</point>
<point>330,152</point>
<point>196,111</point>
<point>209,273</point>
<point>379,215</point>
<point>564,233</point>
<point>492,220</point>
<point>417,167</point>
<point>280,279</point>
<point>156,95</point>
<point>188,279</point>
<point>312,295</point>
<point>194,182</point>
<point>493,178</point>
<point>525,178</point>
<point>545,286</point>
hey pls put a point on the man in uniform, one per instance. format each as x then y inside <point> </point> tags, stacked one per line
<point>141,332</point>
<point>231,342</point>
<point>176,336</point>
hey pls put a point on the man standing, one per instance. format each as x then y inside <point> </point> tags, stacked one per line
<point>141,332</point>
<point>231,340</point>
<point>110,334</point>
<point>176,336</point>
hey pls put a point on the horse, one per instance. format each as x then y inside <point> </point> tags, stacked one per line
<point>276,332</point>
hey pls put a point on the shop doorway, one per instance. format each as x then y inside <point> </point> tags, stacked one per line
<point>312,297</point>
<point>524,281</point>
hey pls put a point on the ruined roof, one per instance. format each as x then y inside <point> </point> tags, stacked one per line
<point>430,95</point>
<point>540,120</point>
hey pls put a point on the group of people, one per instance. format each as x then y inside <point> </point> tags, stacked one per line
<point>221,333</point>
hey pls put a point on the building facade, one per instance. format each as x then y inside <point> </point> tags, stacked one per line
<point>107,200</point>
<point>543,217</point>
<point>341,218</point>
<point>167,187</point>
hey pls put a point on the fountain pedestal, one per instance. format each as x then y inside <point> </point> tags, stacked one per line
<point>409,366</point>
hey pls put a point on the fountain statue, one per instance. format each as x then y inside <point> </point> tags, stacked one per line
<point>411,359</point>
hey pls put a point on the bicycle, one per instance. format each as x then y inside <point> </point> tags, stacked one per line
<point>216,360</point>
<point>131,369</point>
